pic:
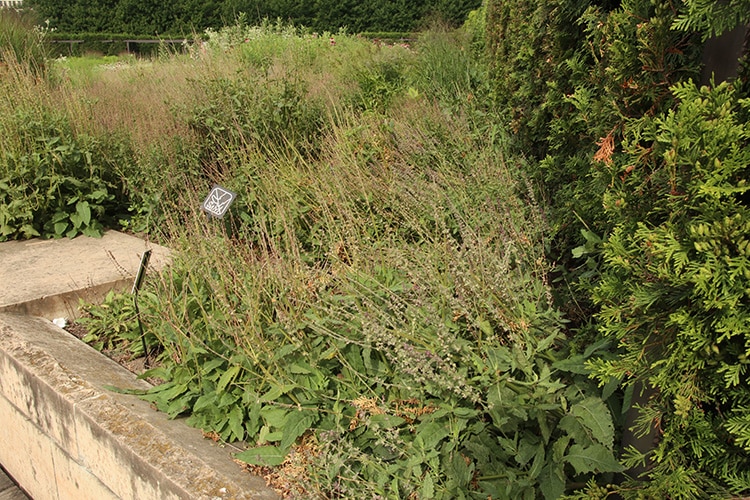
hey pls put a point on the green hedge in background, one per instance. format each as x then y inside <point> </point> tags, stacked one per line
<point>184,17</point>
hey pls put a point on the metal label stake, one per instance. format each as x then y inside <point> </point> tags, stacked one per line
<point>136,288</point>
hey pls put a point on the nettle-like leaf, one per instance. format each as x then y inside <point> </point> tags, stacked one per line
<point>592,458</point>
<point>594,416</point>
<point>295,425</point>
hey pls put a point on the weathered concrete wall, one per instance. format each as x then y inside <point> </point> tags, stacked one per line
<point>63,435</point>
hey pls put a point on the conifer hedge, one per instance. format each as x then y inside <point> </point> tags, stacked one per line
<point>646,173</point>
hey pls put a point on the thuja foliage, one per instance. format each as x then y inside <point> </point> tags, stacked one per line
<point>713,18</point>
<point>674,292</point>
<point>646,174</point>
<point>579,70</point>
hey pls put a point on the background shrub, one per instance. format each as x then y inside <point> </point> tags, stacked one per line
<point>627,149</point>
<point>55,183</point>
<point>183,18</point>
<point>673,292</point>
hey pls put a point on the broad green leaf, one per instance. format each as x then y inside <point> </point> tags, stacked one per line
<point>430,434</point>
<point>385,421</point>
<point>573,364</point>
<point>610,387</point>
<point>552,481</point>
<point>228,398</point>
<point>300,368</point>
<point>120,390</point>
<point>574,429</point>
<point>546,342</point>
<point>84,212</point>
<point>627,398</point>
<point>92,231</point>
<point>167,391</point>
<point>538,464</point>
<point>98,195</point>
<point>266,436</point>
<point>427,490</point>
<point>76,220</point>
<point>275,392</point>
<point>236,417</point>
<point>594,415</point>
<point>177,407</point>
<point>559,448</point>
<point>526,451</point>
<point>60,228</point>
<point>544,429</point>
<point>458,470</point>
<point>284,351</point>
<point>594,458</point>
<point>485,326</point>
<point>274,417</point>
<point>29,231</point>
<point>227,377</point>
<point>252,423</point>
<point>462,412</point>
<point>211,365</point>
<point>205,401</point>
<point>156,372</point>
<point>295,424</point>
<point>262,455</point>
<point>599,345</point>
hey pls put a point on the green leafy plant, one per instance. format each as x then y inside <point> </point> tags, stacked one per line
<point>257,113</point>
<point>55,185</point>
<point>386,307</point>
<point>112,325</point>
<point>377,301</point>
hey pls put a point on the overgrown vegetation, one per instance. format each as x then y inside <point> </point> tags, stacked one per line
<point>376,301</point>
<point>441,278</point>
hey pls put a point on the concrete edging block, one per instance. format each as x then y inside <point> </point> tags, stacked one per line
<point>48,278</point>
<point>89,442</point>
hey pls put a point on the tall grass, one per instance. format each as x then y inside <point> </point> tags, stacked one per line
<point>21,41</point>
